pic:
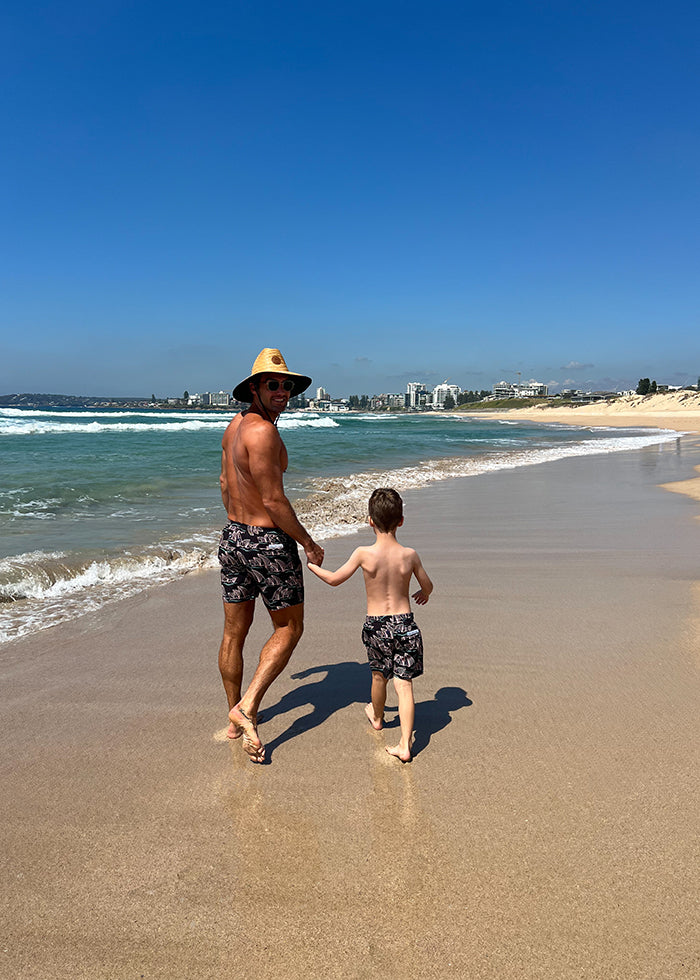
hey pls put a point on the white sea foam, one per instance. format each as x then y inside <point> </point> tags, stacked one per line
<point>375,417</point>
<point>39,427</point>
<point>36,426</point>
<point>24,413</point>
<point>41,589</point>
<point>290,422</point>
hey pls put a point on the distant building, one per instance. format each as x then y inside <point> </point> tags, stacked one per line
<point>378,402</point>
<point>216,399</point>
<point>533,389</point>
<point>585,397</point>
<point>416,395</point>
<point>324,403</point>
<point>440,393</point>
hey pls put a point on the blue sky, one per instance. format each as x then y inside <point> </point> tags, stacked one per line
<point>387,191</point>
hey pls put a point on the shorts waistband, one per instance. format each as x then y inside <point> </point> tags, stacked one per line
<point>256,528</point>
<point>395,618</point>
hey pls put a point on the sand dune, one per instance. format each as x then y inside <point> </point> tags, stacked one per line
<point>676,410</point>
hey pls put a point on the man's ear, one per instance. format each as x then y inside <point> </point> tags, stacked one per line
<point>400,524</point>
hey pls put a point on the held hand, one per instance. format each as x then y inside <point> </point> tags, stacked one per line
<point>314,554</point>
<point>420,598</point>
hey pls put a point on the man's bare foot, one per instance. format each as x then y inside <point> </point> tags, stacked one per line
<point>234,731</point>
<point>403,754</point>
<point>376,725</point>
<point>251,742</point>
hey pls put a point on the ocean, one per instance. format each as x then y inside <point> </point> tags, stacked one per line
<point>98,505</point>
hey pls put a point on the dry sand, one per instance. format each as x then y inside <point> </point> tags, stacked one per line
<point>676,410</point>
<point>547,827</point>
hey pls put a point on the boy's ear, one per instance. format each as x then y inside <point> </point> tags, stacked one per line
<point>400,524</point>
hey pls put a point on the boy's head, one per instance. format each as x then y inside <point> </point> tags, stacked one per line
<point>386,509</point>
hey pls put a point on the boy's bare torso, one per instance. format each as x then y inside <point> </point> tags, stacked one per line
<point>387,568</point>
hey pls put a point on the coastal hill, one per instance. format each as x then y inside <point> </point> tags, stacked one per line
<point>33,400</point>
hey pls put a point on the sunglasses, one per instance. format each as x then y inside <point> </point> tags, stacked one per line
<point>274,385</point>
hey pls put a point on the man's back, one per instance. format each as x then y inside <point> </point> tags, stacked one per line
<point>250,445</point>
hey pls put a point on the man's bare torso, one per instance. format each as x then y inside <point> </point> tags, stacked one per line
<point>241,497</point>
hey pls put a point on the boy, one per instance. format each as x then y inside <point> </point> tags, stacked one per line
<point>393,641</point>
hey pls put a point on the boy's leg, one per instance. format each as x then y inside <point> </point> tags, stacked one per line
<point>375,709</point>
<point>407,714</point>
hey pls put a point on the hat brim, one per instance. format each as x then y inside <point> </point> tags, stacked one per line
<point>242,392</point>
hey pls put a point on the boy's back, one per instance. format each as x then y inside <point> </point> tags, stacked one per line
<point>387,568</point>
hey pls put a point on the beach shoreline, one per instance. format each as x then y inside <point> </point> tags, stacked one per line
<point>544,830</point>
<point>73,544</point>
<point>679,411</point>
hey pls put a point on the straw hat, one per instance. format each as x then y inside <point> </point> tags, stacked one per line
<point>270,361</point>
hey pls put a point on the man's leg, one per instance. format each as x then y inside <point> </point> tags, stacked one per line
<point>375,709</point>
<point>407,712</point>
<point>288,625</point>
<point>238,617</point>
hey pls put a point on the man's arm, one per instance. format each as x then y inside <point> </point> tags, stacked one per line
<point>266,471</point>
<point>343,573</point>
<point>426,586</point>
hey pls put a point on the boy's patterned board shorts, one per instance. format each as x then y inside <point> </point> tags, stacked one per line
<point>260,561</point>
<point>394,645</point>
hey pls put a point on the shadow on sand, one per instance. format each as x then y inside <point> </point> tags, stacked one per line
<point>432,716</point>
<point>341,685</point>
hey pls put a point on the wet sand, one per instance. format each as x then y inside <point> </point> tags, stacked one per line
<point>547,827</point>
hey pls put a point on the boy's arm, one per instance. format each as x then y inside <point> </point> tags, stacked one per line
<point>426,586</point>
<point>342,574</point>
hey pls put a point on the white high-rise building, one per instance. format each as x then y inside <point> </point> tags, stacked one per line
<point>218,399</point>
<point>414,390</point>
<point>440,393</point>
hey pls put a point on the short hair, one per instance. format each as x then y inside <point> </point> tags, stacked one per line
<point>385,509</point>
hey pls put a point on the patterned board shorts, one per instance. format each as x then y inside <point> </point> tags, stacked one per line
<point>260,561</point>
<point>394,645</point>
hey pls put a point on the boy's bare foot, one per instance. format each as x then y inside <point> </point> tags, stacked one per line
<point>403,754</point>
<point>376,725</point>
<point>251,741</point>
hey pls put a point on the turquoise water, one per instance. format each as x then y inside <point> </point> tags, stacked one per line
<point>96,505</point>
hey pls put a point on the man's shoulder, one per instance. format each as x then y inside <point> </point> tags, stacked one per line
<point>255,429</point>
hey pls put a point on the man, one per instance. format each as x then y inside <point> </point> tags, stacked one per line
<point>258,548</point>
